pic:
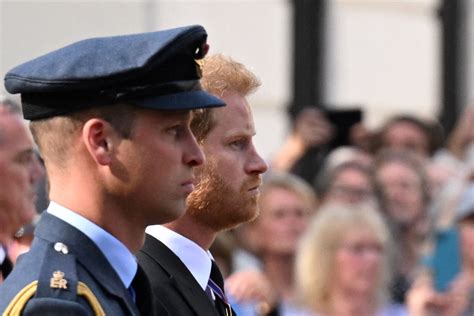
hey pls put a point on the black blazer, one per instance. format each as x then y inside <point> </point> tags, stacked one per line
<point>173,285</point>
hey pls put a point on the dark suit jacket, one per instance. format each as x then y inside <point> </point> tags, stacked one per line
<point>6,266</point>
<point>82,263</point>
<point>173,284</point>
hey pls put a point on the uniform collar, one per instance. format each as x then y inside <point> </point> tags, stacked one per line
<point>195,258</point>
<point>119,257</point>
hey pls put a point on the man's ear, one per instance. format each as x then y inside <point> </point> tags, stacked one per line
<point>99,136</point>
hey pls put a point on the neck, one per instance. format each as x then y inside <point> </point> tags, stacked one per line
<point>351,303</point>
<point>110,215</point>
<point>279,269</point>
<point>191,229</point>
<point>410,247</point>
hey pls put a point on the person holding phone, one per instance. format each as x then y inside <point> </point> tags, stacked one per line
<point>456,298</point>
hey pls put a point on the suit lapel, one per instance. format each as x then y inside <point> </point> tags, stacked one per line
<point>142,287</point>
<point>87,253</point>
<point>180,277</point>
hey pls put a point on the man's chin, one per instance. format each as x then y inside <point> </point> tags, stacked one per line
<point>172,214</point>
<point>226,219</point>
<point>245,216</point>
<point>253,214</point>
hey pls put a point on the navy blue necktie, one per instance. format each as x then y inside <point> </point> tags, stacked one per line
<point>216,285</point>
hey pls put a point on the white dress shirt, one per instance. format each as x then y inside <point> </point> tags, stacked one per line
<point>3,254</point>
<point>196,259</point>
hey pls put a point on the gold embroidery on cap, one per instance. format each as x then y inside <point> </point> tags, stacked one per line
<point>200,63</point>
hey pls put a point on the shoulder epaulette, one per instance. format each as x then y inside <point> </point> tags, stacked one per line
<point>57,280</point>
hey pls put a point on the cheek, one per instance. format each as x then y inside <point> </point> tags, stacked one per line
<point>346,262</point>
<point>227,162</point>
<point>302,225</point>
<point>271,228</point>
<point>230,172</point>
<point>343,268</point>
<point>17,175</point>
<point>279,237</point>
<point>155,163</point>
<point>415,197</point>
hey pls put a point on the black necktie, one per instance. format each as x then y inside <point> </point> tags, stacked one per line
<point>216,285</point>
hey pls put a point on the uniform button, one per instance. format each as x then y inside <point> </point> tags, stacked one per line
<point>60,247</point>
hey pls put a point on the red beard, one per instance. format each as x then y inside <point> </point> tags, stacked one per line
<point>215,204</point>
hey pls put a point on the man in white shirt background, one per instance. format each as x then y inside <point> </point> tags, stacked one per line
<point>20,170</point>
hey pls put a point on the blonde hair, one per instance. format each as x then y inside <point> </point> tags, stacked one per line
<point>289,182</point>
<point>318,247</point>
<point>221,74</point>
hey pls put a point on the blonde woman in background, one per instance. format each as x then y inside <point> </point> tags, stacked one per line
<point>342,265</point>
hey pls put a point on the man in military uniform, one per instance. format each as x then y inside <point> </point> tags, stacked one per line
<point>176,256</point>
<point>111,117</point>
<point>20,171</point>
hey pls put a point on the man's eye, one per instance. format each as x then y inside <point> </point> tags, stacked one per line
<point>25,159</point>
<point>278,213</point>
<point>239,144</point>
<point>175,130</point>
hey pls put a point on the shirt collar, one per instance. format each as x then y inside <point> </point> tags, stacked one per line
<point>196,259</point>
<point>3,254</point>
<point>119,257</point>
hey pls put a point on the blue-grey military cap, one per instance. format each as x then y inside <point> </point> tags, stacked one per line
<point>156,70</point>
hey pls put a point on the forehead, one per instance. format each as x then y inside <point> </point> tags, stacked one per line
<point>363,232</point>
<point>397,167</point>
<point>404,129</point>
<point>350,173</point>
<point>235,116</point>
<point>280,197</point>
<point>164,116</point>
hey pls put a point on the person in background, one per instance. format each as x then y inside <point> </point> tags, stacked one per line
<point>20,171</point>
<point>456,160</point>
<point>22,240</point>
<point>409,133</point>
<point>460,142</point>
<point>403,194</point>
<point>286,205</point>
<point>256,288</point>
<point>349,182</point>
<point>176,256</point>
<point>306,147</point>
<point>342,264</point>
<point>457,299</point>
<point>111,117</point>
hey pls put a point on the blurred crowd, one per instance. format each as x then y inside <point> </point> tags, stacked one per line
<point>380,225</point>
